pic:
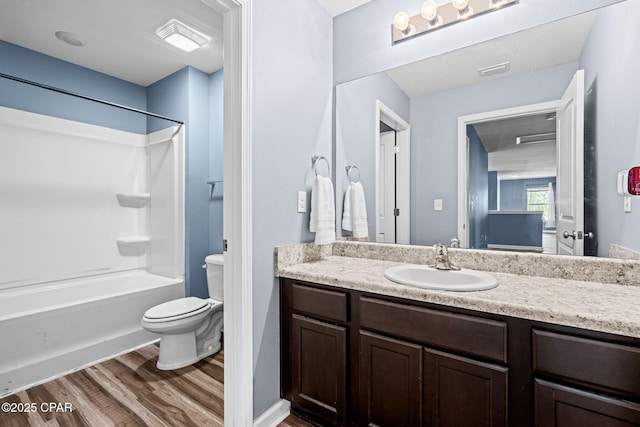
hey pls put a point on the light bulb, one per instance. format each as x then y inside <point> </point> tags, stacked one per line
<point>460,4</point>
<point>401,21</point>
<point>429,10</point>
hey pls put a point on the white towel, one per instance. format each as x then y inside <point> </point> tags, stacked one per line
<point>323,211</point>
<point>354,215</point>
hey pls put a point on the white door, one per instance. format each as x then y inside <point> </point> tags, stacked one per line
<point>570,169</point>
<point>386,221</point>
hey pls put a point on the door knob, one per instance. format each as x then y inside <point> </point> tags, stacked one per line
<point>578,235</point>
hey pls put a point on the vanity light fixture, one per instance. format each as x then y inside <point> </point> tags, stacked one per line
<point>432,16</point>
<point>429,11</point>
<point>182,36</point>
<point>464,10</point>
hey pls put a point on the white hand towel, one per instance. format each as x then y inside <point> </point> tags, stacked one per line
<point>323,211</point>
<point>354,216</point>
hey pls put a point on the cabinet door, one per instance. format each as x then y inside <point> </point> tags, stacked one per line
<point>319,369</point>
<point>463,392</point>
<point>560,406</point>
<point>390,382</point>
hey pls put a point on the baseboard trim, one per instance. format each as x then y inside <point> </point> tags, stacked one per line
<point>274,415</point>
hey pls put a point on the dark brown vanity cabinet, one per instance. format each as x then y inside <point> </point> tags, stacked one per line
<point>586,382</point>
<point>408,377</point>
<point>353,358</point>
<point>314,352</point>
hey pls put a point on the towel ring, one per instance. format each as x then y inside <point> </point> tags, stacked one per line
<point>349,169</point>
<point>314,162</point>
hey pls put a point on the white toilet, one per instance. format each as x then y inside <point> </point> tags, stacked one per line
<point>190,327</point>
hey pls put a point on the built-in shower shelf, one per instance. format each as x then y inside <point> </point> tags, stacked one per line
<point>133,241</point>
<point>133,200</point>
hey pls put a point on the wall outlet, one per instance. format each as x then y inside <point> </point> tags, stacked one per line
<point>627,204</point>
<point>302,201</point>
<point>437,204</point>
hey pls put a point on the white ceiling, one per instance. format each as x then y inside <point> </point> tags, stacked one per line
<point>120,34</point>
<point>515,161</point>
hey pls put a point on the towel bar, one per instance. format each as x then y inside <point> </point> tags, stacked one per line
<point>349,169</point>
<point>314,163</point>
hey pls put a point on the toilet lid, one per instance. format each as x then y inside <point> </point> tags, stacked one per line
<point>182,306</point>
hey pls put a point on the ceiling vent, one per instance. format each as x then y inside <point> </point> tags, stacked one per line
<point>494,69</point>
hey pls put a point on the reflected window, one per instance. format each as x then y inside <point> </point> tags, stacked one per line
<point>538,200</point>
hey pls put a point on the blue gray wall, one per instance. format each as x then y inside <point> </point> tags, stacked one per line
<point>185,95</point>
<point>513,192</point>
<point>355,125</point>
<point>216,159</point>
<point>30,65</point>
<point>434,144</point>
<point>292,120</point>
<point>478,191</point>
<point>612,57</point>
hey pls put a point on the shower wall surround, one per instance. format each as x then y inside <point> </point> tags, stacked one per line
<point>187,95</point>
<point>76,200</point>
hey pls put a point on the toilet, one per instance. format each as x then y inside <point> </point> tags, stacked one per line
<point>189,328</point>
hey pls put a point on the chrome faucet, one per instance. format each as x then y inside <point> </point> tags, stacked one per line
<point>442,258</point>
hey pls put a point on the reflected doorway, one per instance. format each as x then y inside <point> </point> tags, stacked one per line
<point>393,189</point>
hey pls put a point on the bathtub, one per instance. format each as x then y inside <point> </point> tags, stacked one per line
<point>51,329</point>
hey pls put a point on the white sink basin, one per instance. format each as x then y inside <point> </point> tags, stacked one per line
<point>422,276</point>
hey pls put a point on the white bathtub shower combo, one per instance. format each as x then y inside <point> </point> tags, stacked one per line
<point>92,236</point>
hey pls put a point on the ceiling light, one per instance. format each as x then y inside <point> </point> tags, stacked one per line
<point>536,139</point>
<point>71,38</point>
<point>182,36</point>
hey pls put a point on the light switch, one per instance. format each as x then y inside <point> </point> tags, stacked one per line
<point>437,204</point>
<point>302,201</point>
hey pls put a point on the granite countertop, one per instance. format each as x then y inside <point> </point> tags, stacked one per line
<point>605,307</point>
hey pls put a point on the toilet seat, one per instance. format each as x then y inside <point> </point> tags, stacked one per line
<point>177,309</point>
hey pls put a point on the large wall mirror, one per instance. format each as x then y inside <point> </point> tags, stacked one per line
<point>484,125</point>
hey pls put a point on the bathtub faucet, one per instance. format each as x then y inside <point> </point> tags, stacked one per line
<point>442,258</point>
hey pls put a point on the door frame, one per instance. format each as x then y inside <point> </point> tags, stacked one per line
<point>463,153</point>
<point>237,210</point>
<point>403,168</point>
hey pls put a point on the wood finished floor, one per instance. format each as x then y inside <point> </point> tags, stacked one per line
<point>130,391</point>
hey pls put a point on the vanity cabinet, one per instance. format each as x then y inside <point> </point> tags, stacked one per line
<point>355,358</point>
<point>315,372</point>
<point>456,390</point>
<point>599,376</point>
<point>390,381</point>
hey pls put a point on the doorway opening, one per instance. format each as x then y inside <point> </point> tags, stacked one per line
<point>506,194</point>
<point>393,184</point>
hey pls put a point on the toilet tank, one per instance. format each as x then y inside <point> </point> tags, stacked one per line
<point>215,277</point>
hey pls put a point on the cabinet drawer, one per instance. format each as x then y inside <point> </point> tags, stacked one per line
<point>595,363</point>
<point>331,305</point>
<point>557,406</point>
<point>471,335</point>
